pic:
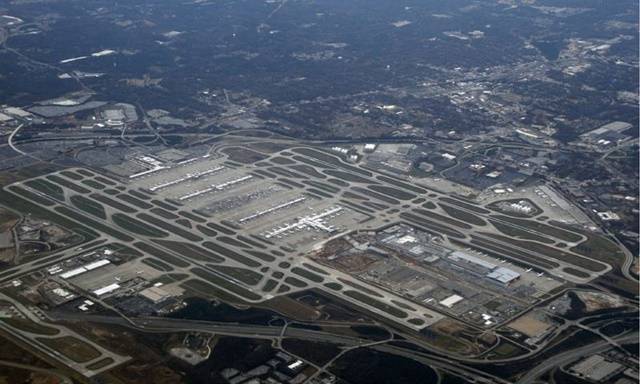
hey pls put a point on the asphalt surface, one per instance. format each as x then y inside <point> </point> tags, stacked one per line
<point>161,325</point>
<point>572,355</point>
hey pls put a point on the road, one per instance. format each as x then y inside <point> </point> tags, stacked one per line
<point>572,355</point>
<point>32,339</point>
<point>628,259</point>
<point>160,325</point>
<point>277,333</point>
<point>453,365</point>
<point>12,145</point>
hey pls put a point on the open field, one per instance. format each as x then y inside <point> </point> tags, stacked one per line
<point>529,325</point>
<point>68,184</point>
<point>544,229</point>
<point>463,215</point>
<point>90,206</point>
<point>219,281</point>
<point>513,231</point>
<point>29,326</point>
<point>599,248</point>
<point>74,349</point>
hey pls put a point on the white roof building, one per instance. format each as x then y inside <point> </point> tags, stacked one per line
<point>451,301</point>
<point>107,289</point>
<point>155,294</point>
<point>463,256</point>
<point>370,147</point>
<point>73,272</point>
<point>448,156</point>
<point>503,275</point>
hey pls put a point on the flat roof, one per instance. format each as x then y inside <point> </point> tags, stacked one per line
<point>596,368</point>
<point>73,272</point>
<point>84,268</point>
<point>503,275</point>
<point>451,301</point>
<point>295,364</point>
<point>107,289</point>
<point>155,294</point>
<point>616,126</point>
<point>97,264</point>
<point>471,259</point>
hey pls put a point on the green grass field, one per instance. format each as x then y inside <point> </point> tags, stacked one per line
<point>130,224</point>
<point>68,184</point>
<point>71,347</point>
<point>376,304</point>
<point>90,206</point>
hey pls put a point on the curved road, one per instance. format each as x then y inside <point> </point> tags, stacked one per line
<point>273,332</point>
<point>572,355</point>
<point>276,333</point>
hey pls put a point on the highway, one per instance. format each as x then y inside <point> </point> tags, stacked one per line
<point>454,365</point>
<point>83,136</point>
<point>10,141</point>
<point>162,324</point>
<point>628,259</point>
<point>277,333</point>
<point>572,355</point>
